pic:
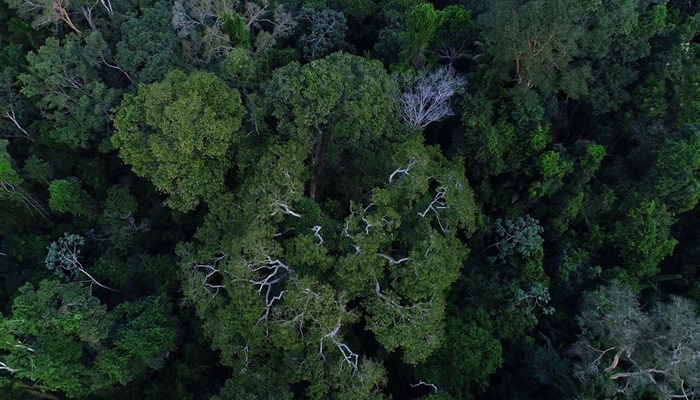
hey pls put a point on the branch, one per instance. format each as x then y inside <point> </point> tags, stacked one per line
<point>211,270</point>
<point>273,271</point>
<point>391,260</point>
<point>438,203</point>
<point>643,372</point>
<point>316,229</point>
<point>4,367</point>
<point>284,208</point>
<point>422,383</point>
<point>403,171</point>
<point>12,117</point>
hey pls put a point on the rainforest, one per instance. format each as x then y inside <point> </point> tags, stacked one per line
<point>349,199</point>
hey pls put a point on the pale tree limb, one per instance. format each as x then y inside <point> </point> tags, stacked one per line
<point>403,171</point>
<point>422,383</point>
<point>348,355</point>
<point>12,117</point>
<point>392,261</point>
<point>438,203</point>
<point>5,367</point>
<point>211,270</point>
<point>271,273</point>
<point>284,208</point>
<point>316,230</point>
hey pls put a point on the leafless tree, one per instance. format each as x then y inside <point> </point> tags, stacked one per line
<point>425,98</point>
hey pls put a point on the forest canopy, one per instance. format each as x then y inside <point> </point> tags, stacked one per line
<point>349,199</point>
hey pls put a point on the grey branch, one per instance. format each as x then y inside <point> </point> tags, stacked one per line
<point>348,355</point>
<point>12,117</point>
<point>316,229</point>
<point>422,383</point>
<point>210,270</point>
<point>392,261</point>
<point>270,273</point>
<point>284,208</point>
<point>4,367</point>
<point>438,203</point>
<point>426,98</point>
<point>403,171</point>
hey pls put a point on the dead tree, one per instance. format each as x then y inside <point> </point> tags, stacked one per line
<point>426,97</point>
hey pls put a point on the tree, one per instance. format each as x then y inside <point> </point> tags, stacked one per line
<point>643,238</point>
<point>66,196</point>
<point>62,338</point>
<point>632,351</point>
<point>336,104</point>
<point>12,107</point>
<point>71,94</point>
<point>46,12</point>
<point>179,133</point>
<point>63,259</point>
<point>209,29</point>
<point>13,196</point>
<point>326,32</point>
<point>149,48</point>
<point>425,98</point>
<point>538,40</point>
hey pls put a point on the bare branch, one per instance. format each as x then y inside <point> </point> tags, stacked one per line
<point>403,171</point>
<point>422,383</point>
<point>12,117</point>
<point>284,208</point>
<point>316,229</point>
<point>5,367</point>
<point>391,260</point>
<point>210,270</point>
<point>270,273</point>
<point>438,203</point>
<point>426,98</point>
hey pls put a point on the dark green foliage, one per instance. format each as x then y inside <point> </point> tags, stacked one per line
<point>326,32</point>
<point>149,48</point>
<point>63,338</point>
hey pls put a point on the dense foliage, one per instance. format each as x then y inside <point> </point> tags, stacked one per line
<point>349,199</point>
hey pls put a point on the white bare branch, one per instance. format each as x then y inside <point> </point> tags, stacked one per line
<point>392,261</point>
<point>284,208</point>
<point>348,355</point>
<point>438,203</point>
<point>65,256</point>
<point>426,98</point>
<point>12,117</point>
<point>118,68</point>
<point>210,271</point>
<point>269,273</point>
<point>107,5</point>
<point>316,229</point>
<point>5,367</point>
<point>403,171</point>
<point>422,383</point>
